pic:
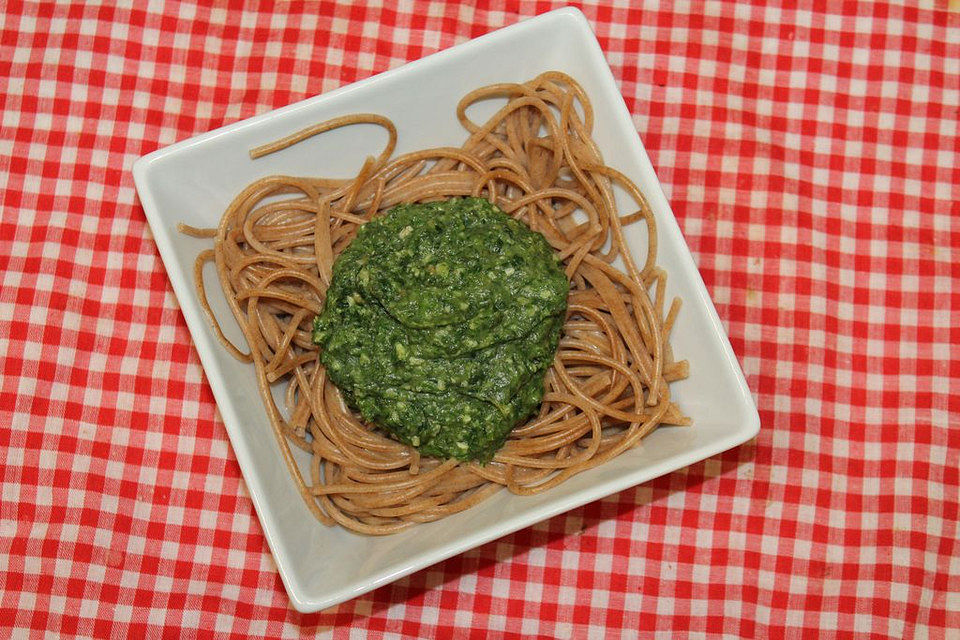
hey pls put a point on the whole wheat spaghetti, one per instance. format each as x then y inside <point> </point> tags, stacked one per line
<point>535,159</point>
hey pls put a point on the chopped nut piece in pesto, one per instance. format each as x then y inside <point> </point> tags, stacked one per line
<point>440,323</point>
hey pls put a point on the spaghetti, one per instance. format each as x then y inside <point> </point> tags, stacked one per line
<point>535,159</point>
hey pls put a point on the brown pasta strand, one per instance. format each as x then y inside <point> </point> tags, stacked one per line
<point>534,158</point>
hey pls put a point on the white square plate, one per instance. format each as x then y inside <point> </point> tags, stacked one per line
<point>194,180</point>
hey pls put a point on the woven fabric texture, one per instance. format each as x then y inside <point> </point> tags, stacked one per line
<point>812,158</point>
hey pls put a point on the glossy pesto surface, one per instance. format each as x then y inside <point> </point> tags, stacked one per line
<point>440,323</point>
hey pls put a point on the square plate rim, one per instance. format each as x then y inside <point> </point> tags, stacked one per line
<point>306,603</point>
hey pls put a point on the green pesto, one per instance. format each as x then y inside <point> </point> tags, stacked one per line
<point>440,323</point>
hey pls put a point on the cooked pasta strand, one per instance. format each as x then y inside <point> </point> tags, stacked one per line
<point>535,158</point>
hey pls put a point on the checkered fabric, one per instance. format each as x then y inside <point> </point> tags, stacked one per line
<point>813,160</point>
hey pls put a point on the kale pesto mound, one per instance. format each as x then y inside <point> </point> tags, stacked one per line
<point>440,323</point>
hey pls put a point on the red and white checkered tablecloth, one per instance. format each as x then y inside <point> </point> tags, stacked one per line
<point>812,157</point>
